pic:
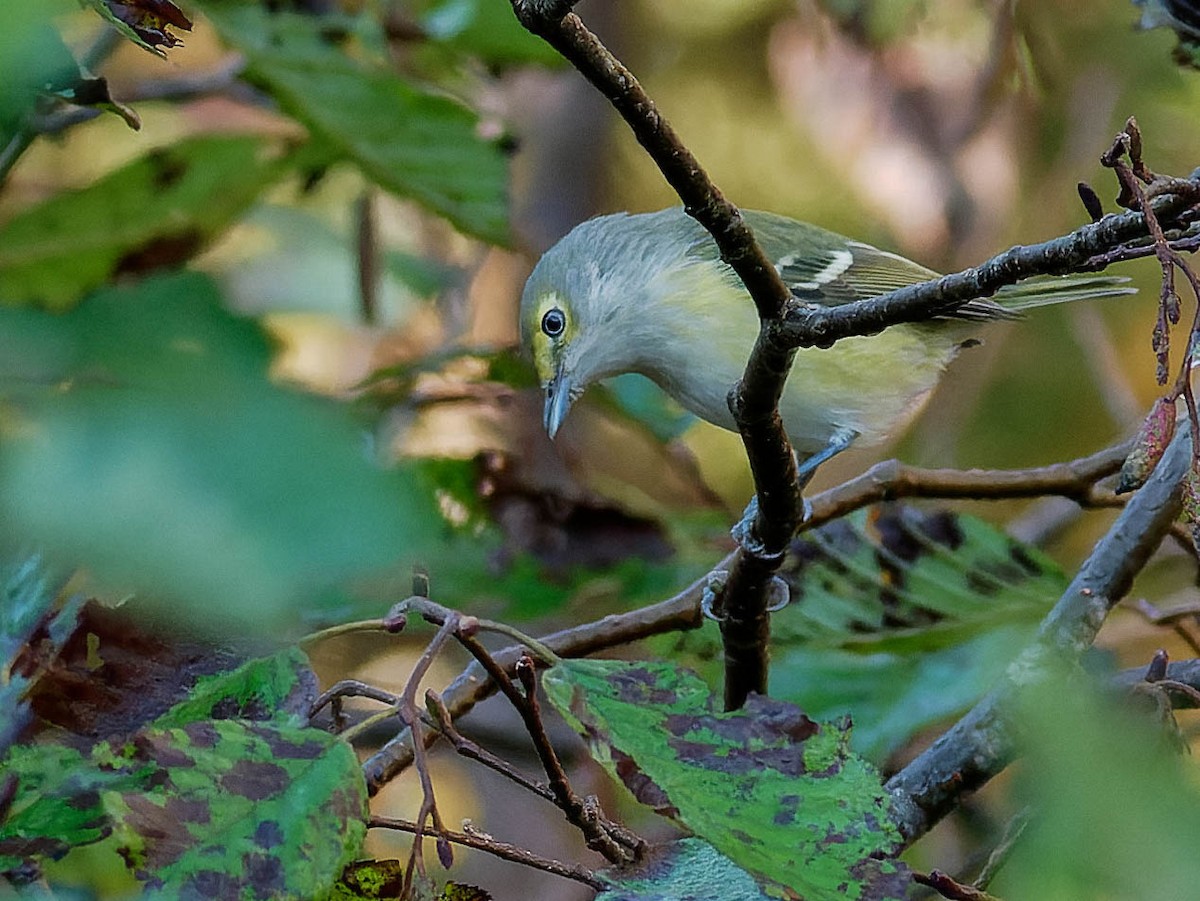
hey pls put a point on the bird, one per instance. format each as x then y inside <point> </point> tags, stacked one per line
<point>649,293</point>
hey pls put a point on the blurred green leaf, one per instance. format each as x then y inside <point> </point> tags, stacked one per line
<point>487,30</point>
<point>892,696</point>
<point>409,139</point>
<point>640,398</point>
<point>779,794</point>
<point>33,60</point>
<point>154,213</point>
<point>1115,811</point>
<point>149,445</point>
<point>689,868</point>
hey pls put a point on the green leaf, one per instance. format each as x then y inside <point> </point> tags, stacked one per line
<point>149,445</point>
<point>780,795</point>
<point>1115,810</point>
<point>892,696</point>
<point>409,139</point>
<point>239,810</point>
<point>279,688</point>
<point>57,803</point>
<point>487,30</point>
<point>894,578</point>
<point>33,60</point>
<point>156,212</point>
<point>685,869</point>
<point>901,618</point>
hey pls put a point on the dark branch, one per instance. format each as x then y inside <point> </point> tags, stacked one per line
<point>754,401</point>
<point>504,850</point>
<point>1088,248</point>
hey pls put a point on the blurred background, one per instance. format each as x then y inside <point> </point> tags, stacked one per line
<point>945,130</point>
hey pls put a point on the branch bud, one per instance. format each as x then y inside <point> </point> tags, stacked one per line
<point>1155,433</point>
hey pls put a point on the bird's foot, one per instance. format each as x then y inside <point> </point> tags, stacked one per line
<point>778,595</point>
<point>744,534</point>
<point>714,587</point>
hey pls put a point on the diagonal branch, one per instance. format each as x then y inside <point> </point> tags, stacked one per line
<point>754,401</point>
<point>981,744</point>
<point>1088,248</point>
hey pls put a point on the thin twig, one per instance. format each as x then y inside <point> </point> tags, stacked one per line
<point>948,887</point>
<point>1000,854</point>
<point>407,708</point>
<point>499,849</point>
<point>348,688</point>
<point>476,752</point>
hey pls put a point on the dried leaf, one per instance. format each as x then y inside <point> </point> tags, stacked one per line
<point>1155,433</point>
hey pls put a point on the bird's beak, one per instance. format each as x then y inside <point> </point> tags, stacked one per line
<point>558,401</point>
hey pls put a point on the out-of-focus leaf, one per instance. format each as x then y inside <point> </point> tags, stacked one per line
<point>154,213</point>
<point>894,578</point>
<point>412,141</point>
<point>33,60</point>
<point>487,30</point>
<point>28,590</point>
<point>279,688</point>
<point>309,266</point>
<point>239,810</point>
<point>649,405</point>
<point>893,695</point>
<point>900,618</point>
<point>147,23</point>
<point>689,868</point>
<point>780,795</point>
<point>150,446</point>
<point>1115,809</point>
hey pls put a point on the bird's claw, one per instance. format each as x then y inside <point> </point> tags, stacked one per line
<point>779,595</point>
<point>714,587</point>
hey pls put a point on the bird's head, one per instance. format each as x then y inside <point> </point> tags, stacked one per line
<point>592,306</point>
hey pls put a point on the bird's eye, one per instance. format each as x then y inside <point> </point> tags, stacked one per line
<point>554,322</point>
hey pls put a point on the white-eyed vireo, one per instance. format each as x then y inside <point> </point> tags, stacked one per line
<point>648,293</point>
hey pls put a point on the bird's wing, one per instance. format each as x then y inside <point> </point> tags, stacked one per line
<point>821,267</point>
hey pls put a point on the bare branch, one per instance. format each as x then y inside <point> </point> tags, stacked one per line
<point>503,850</point>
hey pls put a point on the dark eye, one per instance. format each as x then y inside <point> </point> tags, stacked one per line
<point>554,322</point>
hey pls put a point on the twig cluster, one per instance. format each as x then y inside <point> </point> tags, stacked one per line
<point>616,843</point>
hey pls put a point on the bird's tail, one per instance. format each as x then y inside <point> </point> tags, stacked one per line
<point>1046,290</point>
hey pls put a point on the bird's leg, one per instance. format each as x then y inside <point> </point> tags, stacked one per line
<point>743,532</point>
<point>838,442</point>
